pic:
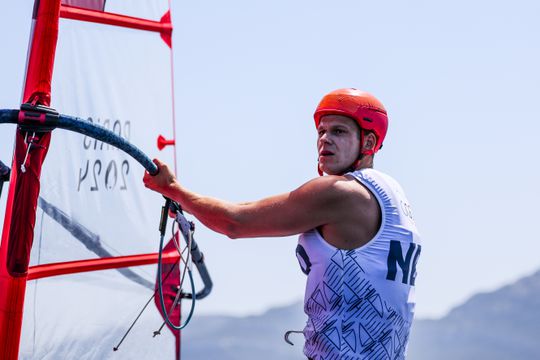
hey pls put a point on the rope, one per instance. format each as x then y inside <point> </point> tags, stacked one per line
<point>188,266</point>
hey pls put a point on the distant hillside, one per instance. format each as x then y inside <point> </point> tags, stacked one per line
<point>503,324</point>
<point>253,337</point>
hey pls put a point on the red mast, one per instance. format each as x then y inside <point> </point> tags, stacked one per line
<point>18,230</point>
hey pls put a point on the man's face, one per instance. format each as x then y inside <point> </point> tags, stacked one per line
<point>338,143</point>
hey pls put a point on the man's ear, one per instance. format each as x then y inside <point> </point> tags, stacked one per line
<point>370,140</point>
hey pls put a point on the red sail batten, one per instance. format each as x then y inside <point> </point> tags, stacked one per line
<point>164,27</point>
<point>72,267</point>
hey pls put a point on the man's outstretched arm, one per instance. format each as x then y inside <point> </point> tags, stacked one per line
<point>318,202</point>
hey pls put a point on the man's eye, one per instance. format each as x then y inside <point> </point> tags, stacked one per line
<point>339,131</point>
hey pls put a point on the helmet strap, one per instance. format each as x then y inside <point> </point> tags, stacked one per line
<point>363,153</point>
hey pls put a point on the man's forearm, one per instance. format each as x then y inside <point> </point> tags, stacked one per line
<point>216,214</point>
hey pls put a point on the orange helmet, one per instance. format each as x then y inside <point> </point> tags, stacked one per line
<point>368,112</point>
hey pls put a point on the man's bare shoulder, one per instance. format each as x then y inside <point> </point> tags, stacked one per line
<point>337,188</point>
<point>351,212</point>
<point>338,184</point>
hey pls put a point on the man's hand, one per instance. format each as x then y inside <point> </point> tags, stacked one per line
<point>163,182</point>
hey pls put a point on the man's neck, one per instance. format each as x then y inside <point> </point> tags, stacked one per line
<point>365,162</point>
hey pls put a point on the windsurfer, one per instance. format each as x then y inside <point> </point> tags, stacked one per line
<point>358,245</point>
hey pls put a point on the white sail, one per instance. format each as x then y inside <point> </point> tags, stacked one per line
<point>92,202</point>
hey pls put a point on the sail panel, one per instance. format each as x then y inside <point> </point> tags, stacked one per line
<point>152,10</point>
<point>120,79</point>
<point>77,317</point>
<point>98,5</point>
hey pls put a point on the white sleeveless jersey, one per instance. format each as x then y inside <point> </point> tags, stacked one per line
<point>360,302</point>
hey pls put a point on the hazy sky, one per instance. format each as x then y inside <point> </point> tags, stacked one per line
<point>460,80</point>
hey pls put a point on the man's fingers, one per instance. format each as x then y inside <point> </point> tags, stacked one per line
<point>158,162</point>
<point>161,166</point>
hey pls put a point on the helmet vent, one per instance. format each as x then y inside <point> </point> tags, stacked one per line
<point>368,119</point>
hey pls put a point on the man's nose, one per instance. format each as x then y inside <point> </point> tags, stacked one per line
<point>325,138</point>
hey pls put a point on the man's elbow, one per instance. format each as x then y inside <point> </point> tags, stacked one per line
<point>235,228</point>
<point>235,225</point>
<point>232,231</point>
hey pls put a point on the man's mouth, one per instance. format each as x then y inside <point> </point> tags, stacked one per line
<point>326,153</point>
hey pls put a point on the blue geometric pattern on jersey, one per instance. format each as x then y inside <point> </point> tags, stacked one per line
<point>346,301</point>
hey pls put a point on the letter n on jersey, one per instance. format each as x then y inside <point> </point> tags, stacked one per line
<point>395,257</point>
